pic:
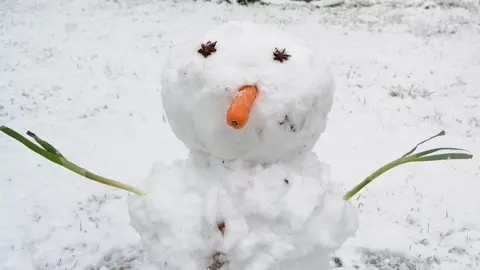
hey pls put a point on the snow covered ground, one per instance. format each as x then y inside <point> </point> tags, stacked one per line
<point>85,76</point>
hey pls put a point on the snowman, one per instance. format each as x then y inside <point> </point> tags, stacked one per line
<point>250,102</point>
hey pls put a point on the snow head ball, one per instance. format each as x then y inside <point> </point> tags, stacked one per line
<point>247,91</point>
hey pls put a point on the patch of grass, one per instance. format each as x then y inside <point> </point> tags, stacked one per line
<point>413,92</point>
<point>387,260</point>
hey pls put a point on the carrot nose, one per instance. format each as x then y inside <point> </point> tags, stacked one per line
<point>239,110</point>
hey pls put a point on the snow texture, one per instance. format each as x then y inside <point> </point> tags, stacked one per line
<point>86,76</point>
<point>290,111</point>
<point>277,214</point>
<point>286,215</point>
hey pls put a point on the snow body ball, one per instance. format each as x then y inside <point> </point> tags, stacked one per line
<point>251,195</point>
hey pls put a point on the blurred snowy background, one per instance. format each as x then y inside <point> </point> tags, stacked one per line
<point>85,75</point>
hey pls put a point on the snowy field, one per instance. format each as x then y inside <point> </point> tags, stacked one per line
<point>85,76</point>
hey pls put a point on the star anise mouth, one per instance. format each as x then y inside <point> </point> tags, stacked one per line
<point>280,56</point>
<point>207,49</point>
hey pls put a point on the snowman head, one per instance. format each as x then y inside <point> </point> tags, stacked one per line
<point>247,91</point>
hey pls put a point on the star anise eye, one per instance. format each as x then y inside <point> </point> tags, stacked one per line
<point>280,56</point>
<point>207,48</point>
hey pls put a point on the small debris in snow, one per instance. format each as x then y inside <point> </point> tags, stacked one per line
<point>218,260</point>
<point>221,227</point>
<point>280,56</point>
<point>130,257</point>
<point>337,262</point>
<point>207,49</point>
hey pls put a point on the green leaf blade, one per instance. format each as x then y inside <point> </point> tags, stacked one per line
<point>446,157</point>
<point>430,151</point>
<point>53,155</point>
<point>44,144</point>
<point>17,136</point>
<point>423,156</point>
<point>441,133</point>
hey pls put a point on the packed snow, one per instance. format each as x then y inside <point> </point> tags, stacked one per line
<point>286,215</point>
<point>254,193</point>
<point>86,76</point>
<point>289,113</point>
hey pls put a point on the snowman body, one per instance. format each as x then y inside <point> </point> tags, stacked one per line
<point>255,197</point>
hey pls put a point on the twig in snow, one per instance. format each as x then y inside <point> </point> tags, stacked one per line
<point>74,265</point>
